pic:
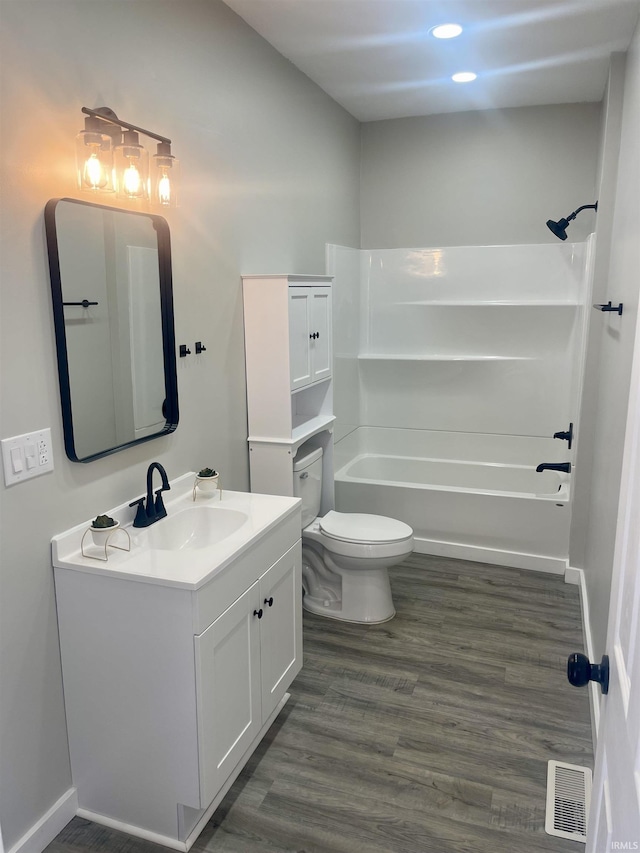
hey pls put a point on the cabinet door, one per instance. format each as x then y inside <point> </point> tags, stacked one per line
<point>228,687</point>
<point>281,627</point>
<point>299,337</point>
<point>320,328</point>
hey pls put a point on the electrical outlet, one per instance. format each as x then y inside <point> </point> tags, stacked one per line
<point>26,456</point>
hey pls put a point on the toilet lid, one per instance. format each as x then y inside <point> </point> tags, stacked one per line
<point>359,527</point>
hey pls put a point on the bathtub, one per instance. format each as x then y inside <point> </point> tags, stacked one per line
<point>466,495</point>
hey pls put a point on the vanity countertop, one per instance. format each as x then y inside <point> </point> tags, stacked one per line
<point>186,565</point>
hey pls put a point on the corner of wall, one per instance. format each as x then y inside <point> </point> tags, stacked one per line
<point>49,825</point>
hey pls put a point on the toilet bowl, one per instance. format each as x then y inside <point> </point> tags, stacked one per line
<point>345,556</point>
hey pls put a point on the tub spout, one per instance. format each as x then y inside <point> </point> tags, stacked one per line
<point>554,466</point>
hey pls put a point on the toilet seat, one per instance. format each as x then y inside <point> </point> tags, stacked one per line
<point>364,529</point>
<point>365,549</point>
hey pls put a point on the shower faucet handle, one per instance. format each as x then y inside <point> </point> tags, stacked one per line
<point>566,436</point>
<point>609,307</point>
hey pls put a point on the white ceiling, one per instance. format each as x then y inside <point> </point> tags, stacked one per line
<point>377,59</point>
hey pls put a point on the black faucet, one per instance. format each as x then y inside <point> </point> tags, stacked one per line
<point>554,466</point>
<point>154,509</point>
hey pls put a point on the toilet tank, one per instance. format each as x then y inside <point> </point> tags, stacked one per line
<point>307,482</point>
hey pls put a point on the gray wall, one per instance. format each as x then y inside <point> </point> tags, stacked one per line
<point>270,173</point>
<point>586,427</point>
<point>478,178</point>
<point>606,393</point>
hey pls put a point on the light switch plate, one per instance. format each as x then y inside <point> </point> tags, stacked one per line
<point>26,456</point>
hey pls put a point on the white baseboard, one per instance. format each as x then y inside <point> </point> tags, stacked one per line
<point>50,824</point>
<point>136,831</point>
<point>515,559</point>
<point>576,576</point>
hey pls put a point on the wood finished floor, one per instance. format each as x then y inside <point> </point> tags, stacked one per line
<point>428,734</point>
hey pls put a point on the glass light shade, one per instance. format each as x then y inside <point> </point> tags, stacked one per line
<point>94,161</point>
<point>464,77</point>
<point>131,167</point>
<point>446,31</point>
<point>165,175</point>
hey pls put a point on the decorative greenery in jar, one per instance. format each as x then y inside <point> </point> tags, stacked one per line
<point>207,472</point>
<point>102,522</point>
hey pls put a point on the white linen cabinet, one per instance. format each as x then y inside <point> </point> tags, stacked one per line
<point>288,349</point>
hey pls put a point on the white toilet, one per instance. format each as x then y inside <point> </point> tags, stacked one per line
<point>345,556</point>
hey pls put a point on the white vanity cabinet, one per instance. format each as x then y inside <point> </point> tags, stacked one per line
<point>288,349</point>
<point>170,684</point>
<point>245,661</point>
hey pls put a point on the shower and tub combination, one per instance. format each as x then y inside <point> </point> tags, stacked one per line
<point>454,370</point>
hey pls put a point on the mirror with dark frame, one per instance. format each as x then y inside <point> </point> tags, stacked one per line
<point>113,316</point>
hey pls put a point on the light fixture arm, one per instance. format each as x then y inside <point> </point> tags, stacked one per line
<point>108,115</point>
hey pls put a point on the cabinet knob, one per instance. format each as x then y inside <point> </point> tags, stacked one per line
<point>269,601</point>
<point>258,613</point>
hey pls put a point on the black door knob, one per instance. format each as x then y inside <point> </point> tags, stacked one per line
<point>269,601</point>
<point>258,613</point>
<point>581,671</point>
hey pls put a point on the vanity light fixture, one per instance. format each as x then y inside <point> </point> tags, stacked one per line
<point>131,161</point>
<point>165,176</point>
<point>109,156</point>
<point>94,157</point>
<point>446,31</point>
<point>464,77</point>
<point>559,228</point>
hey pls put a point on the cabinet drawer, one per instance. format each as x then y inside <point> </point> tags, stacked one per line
<point>220,593</point>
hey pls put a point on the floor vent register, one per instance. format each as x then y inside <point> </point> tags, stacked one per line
<point>568,796</point>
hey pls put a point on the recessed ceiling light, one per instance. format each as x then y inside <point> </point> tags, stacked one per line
<point>464,77</point>
<point>446,31</point>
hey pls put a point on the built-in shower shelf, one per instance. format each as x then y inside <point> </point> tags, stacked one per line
<point>441,357</point>
<point>491,303</point>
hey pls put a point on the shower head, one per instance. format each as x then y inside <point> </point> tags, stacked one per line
<point>559,228</point>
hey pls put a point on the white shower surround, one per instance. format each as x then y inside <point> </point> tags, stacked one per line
<point>453,369</point>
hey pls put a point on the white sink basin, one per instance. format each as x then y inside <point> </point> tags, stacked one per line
<point>192,528</point>
<point>186,549</point>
